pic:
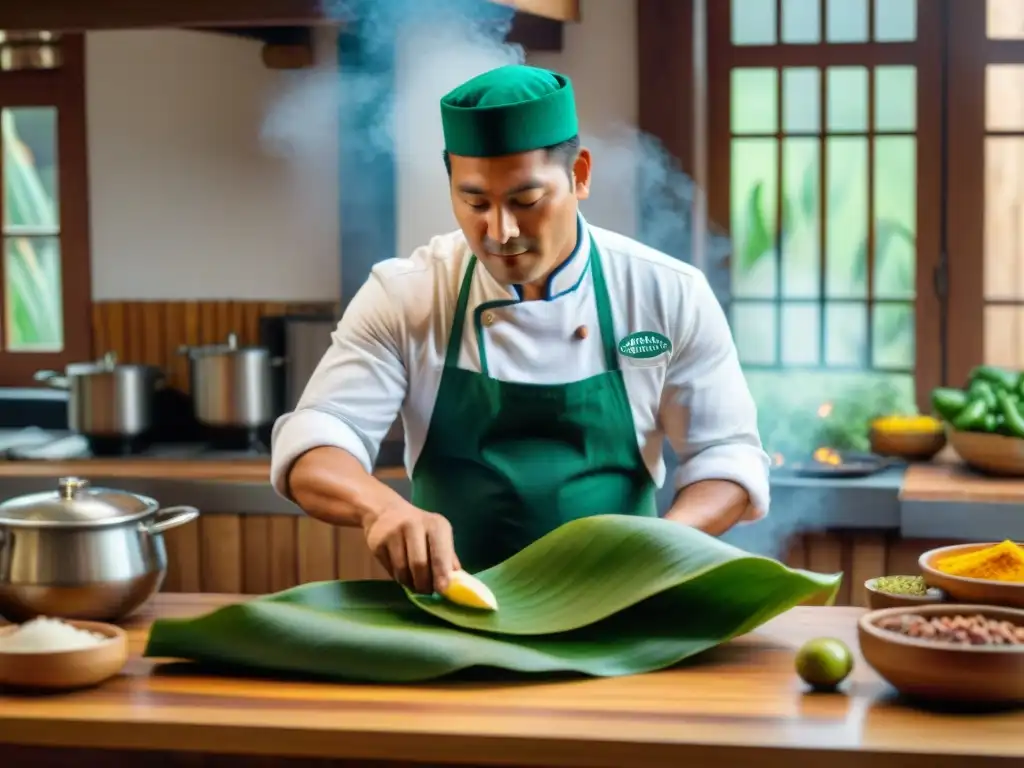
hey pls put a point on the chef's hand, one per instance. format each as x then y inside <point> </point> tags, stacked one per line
<point>416,547</point>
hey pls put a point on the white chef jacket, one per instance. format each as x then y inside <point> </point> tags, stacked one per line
<point>387,356</point>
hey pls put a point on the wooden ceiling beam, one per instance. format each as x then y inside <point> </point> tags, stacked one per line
<point>85,15</point>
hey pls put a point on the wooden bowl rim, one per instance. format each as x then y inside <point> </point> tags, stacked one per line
<point>869,585</point>
<point>114,634</point>
<point>939,432</point>
<point>954,432</point>
<point>922,563</point>
<point>868,621</point>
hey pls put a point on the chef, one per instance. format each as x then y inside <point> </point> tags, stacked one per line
<point>537,361</point>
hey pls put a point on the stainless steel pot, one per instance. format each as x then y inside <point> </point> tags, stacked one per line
<point>232,385</point>
<point>107,399</point>
<point>82,553</point>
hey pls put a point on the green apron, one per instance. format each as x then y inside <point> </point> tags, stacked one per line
<point>507,463</point>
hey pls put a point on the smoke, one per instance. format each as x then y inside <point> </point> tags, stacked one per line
<point>434,45</point>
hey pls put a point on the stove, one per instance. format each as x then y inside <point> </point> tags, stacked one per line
<point>32,444</point>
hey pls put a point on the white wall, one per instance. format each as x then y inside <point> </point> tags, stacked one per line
<point>186,200</point>
<point>188,203</point>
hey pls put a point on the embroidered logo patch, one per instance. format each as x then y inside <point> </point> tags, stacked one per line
<point>644,344</point>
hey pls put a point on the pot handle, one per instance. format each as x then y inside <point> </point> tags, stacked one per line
<point>171,517</point>
<point>52,379</point>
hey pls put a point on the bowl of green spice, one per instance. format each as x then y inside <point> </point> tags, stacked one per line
<point>900,591</point>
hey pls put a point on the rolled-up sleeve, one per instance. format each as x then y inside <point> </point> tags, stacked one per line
<point>355,393</point>
<point>707,411</point>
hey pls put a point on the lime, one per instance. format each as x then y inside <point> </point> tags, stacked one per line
<point>823,663</point>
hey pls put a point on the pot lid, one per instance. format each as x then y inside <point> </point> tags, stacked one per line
<point>74,503</point>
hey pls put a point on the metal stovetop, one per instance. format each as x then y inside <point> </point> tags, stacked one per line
<point>34,444</point>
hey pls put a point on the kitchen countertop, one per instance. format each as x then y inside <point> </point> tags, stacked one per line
<point>742,705</point>
<point>939,500</point>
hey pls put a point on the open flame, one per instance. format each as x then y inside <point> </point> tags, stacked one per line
<point>827,456</point>
<point>823,454</point>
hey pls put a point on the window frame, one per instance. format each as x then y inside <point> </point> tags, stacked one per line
<point>970,54</point>
<point>666,25</point>
<point>63,88</point>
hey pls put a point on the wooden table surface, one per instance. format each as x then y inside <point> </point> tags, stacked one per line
<point>953,481</point>
<point>742,706</point>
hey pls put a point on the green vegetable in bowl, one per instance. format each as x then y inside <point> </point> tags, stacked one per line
<point>983,390</point>
<point>1011,414</point>
<point>948,402</point>
<point>999,378</point>
<point>972,417</point>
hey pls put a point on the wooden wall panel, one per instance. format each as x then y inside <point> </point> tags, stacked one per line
<point>259,554</point>
<point>151,332</point>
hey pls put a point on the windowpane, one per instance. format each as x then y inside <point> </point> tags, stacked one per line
<point>846,229</point>
<point>753,22</point>
<point>33,309</point>
<point>1006,19</point>
<point>1004,223</point>
<point>801,332</point>
<point>846,335</point>
<point>30,169</point>
<point>895,21</point>
<point>893,336</point>
<point>895,192</point>
<point>755,100</point>
<point>801,220</point>
<point>1004,97</point>
<point>896,99</point>
<point>801,21</point>
<point>755,330</point>
<point>846,21</point>
<point>847,99</point>
<point>754,186</point>
<point>801,100</point>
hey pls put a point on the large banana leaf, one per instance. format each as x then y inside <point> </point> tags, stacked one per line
<point>601,596</point>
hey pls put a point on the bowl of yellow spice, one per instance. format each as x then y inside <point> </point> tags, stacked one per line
<point>983,574</point>
<point>910,437</point>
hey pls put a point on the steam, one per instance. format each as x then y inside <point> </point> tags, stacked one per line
<point>435,45</point>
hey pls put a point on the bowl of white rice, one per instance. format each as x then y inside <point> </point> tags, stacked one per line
<point>58,654</point>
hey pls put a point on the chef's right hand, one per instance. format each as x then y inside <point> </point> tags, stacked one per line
<point>416,547</point>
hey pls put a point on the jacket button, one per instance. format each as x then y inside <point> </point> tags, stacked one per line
<point>581,332</point>
<point>488,319</point>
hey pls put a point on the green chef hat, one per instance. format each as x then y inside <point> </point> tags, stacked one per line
<point>507,110</point>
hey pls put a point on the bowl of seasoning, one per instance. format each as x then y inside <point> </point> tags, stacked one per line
<point>898,591</point>
<point>912,437</point>
<point>955,653</point>
<point>983,573</point>
<point>51,654</point>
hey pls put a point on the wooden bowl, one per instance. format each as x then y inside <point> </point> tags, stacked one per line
<point>936,671</point>
<point>992,454</point>
<point>66,670</point>
<point>912,446</point>
<point>878,599</point>
<point>964,590</point>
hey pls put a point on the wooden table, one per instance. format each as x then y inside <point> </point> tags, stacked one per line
<point>742,706</point>
<point>954,481</point>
